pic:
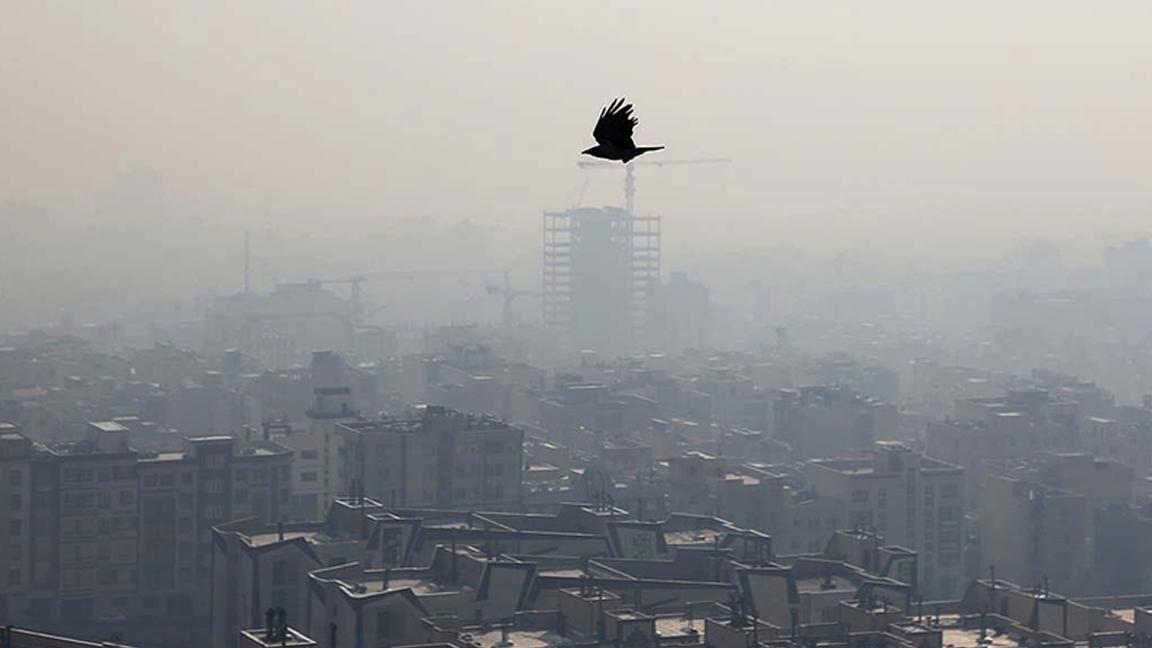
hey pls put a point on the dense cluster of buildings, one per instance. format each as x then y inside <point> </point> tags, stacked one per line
<point>457,498</point>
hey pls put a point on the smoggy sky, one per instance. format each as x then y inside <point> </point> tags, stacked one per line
<point>877,119</point>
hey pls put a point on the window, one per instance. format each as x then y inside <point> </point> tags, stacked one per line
<point>15,576</point>
<point>15,527</point>
<point>215,486</point>
<point>127,498</point>
<point>308,476</point>
<point>187,478</point>
<point>494,447</point>
<point>148,481</point>
<point>241,475</point>
<point>214,461</point>
<point>16,502</point>
<point>949,491</point>
<point>309,454</point>
<point>185,525</point>
<point>79,500</point>
<point>185,501</point>
<point>15,477</point>
<point>859,496</point>
<point>214,512</point>
<point>242,496</point>
<point>77,475</point>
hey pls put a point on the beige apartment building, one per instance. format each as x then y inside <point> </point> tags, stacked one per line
<point>910,500</point>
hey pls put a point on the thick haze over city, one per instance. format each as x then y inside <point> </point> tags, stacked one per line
<point>848,125</point>
<point>317,328</point>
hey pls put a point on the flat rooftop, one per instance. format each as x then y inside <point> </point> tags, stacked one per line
<point>518,638</point>
<point>164,456</point>
<point>970,638</point>
<point>271,537</point>
<point>693,536</point>
<point>816,584</point>
<point>107,426</point>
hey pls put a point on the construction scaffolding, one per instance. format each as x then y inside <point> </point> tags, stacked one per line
<point>599,266</point>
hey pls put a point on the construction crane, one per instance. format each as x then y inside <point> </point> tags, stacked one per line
<point>630,173</point>
<point>509,294</point>
<point>354,281</point>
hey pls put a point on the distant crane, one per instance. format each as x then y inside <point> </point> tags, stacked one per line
<point>630,173</point>
<point>354,281</point>
<point>509,294</point>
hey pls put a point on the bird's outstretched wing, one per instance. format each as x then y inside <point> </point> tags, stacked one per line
<point>614,128</point>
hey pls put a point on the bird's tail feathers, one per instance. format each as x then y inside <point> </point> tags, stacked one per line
<point>645,149</point>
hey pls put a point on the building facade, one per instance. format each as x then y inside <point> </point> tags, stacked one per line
<point>910,499</point>
<point>437,458</point>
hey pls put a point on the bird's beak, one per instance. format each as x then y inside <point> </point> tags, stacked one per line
<point>587,151</point>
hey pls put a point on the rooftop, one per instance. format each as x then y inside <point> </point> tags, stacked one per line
<point>517,638</point>
<point>163,456</point>
<point>257,637</point>
<point>274,536</point>
<point>107,426</point>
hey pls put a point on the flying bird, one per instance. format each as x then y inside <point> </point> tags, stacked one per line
<point>613,134</point>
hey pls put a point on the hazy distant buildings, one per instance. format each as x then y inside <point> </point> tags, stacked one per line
<point>680,315</point>
<point>832,421</point>
<point>281,327</point>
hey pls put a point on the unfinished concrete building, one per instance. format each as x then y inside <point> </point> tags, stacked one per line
<point>599,268</point>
